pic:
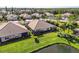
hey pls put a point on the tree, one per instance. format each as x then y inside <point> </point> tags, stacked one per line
<point>4,18</point>
<point>6,8</point>
<point>63,26</point>
<point>12,10</point>
<point>72,18</point>
<point>58,17</point>
<point>33,17</point>
<point>44,16</point>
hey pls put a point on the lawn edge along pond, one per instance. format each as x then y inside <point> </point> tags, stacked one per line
<point>29,44</point>
<point>37,51</point>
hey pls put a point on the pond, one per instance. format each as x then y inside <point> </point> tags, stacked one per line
<point>58,48</point>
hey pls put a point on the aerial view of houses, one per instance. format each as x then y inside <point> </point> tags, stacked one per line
<point>39,30</point>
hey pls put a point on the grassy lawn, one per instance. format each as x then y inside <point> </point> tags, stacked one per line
<point>29,45</point>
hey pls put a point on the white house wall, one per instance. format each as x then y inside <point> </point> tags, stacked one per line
<point>3,39</point>
<point>6,38</point>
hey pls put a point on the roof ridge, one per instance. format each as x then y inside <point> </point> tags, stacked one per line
<point>41,21</point>
<point>36,23</point>
<point>4,26</point>
<point>20,26</point>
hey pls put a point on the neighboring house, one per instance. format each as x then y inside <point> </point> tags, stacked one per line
<point>12,17</point>
<point>25,16</point>
<point>22,11</point>
<point>76,31</point>
<point>4,11</point>
<point>1,16</point>
<point>8,12</point>
<point>66,14</point>
<point>36,14</point>
<point>39,26</point>
<point>11,30</point>
<point>50,15</point>
<point>64,18</point>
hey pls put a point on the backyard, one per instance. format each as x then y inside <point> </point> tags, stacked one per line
<point>29,44</point>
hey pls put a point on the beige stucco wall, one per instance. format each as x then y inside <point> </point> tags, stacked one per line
<point>3,39</point>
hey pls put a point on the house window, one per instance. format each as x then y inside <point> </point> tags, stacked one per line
<point>0,39</point>
<point>18,35</point>
<point>14,36</point>
<point>3,39</point>
<point>11,36</point>
<point>6,38</point>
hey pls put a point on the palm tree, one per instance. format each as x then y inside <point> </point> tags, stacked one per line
<point>4,18</point>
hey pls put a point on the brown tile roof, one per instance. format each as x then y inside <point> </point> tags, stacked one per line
<point>39,24</point>
<point>11,28</point>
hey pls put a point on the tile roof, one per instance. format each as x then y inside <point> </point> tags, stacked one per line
<point>11,28</point>
<point>39,24</point>
<point>12,17</point>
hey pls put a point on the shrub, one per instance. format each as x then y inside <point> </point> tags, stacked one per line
<point>68,37</point>
<point>60,35</point>
<point>36,40</point>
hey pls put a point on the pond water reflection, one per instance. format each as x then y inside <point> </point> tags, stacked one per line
<point>58,48</point>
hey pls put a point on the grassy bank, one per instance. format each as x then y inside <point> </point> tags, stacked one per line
<point>29,45</point>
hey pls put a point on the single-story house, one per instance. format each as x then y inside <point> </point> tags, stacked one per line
<point>12,17</point>
<point>3,11</point>
<point>11,30</point>
<point>40,26</point>
<point>77,22</point>
<point>36,14</point>
<point>26,16</point>
<point>50,15</point>
<point>64,18</point>
<point>67,14</point>
<point>22,11</point>
<point>1,16</point>
<point>76,32</point>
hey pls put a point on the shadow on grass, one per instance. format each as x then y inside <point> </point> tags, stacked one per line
<point>41,33</point>
<point>13,41</point>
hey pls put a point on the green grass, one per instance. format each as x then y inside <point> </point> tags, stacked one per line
<point>29,45</point>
